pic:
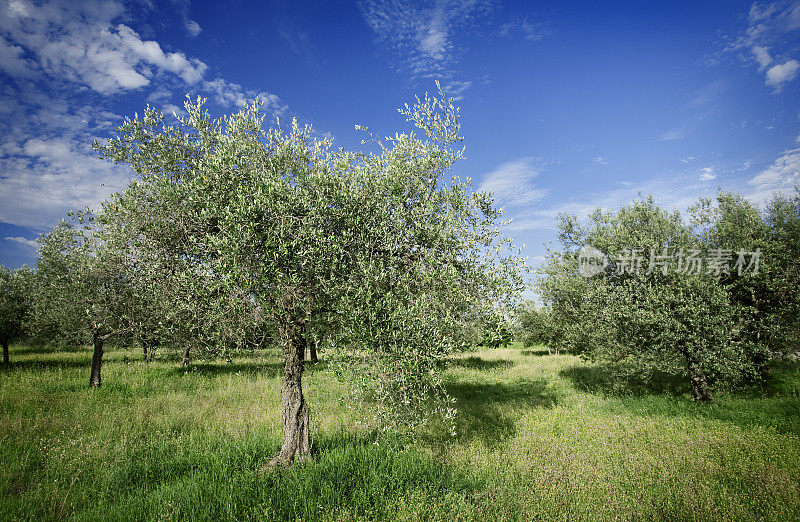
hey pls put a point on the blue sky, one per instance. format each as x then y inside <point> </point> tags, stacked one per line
<point>566,105</point>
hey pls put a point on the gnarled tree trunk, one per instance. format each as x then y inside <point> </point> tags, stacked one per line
<point>97,360</point>
<point>701,391</point>
<point>5,353</point>
<point>296,443</point>
<point>186,359</point>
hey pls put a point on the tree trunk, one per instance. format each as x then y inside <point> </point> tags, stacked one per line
<point>144,351</point>
<point>186,359</point>
<point>5,352</point>
<point>700,388</point>
<point>97,360</point>
<point>312,349</point>
<point>295,411</point>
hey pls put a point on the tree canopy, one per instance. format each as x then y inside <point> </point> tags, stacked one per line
<point>395,253</point>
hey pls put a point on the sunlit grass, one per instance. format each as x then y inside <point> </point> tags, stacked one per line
<point>539,437</point>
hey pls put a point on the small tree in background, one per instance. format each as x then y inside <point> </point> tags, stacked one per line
<point>640,323</point>
<point>535,325</point>
<point>82,290</point>
<point>15,302</point>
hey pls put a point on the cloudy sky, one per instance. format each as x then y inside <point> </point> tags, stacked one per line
<point>566,105</point>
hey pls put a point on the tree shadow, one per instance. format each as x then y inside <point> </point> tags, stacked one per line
<point>30,349</point>
<point>486,410</point>
<point>213,369</point>
<point>599,380</point>
<point>28,365</point>
<point>773,404</point>
<point>479,363</point>
<point>538,352</point>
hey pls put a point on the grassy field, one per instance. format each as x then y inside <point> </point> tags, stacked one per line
<point>539,438</point>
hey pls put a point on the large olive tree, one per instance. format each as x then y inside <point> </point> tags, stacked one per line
<point>389,248</point>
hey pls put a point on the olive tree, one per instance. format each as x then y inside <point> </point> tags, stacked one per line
<point>158,231</point>
<point>768,296</point>
<point>82,292</point>
<point>657,317</point>
<point>389,247</point>
<point>15,299</point>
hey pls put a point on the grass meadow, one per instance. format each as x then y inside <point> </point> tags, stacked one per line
<point>539,437</point>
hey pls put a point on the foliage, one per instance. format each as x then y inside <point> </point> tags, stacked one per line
<point>80,290</point>
<point>656,319</point>
<point>497,333</point>
<point>15,297</point>
<point>393,251</point>
<point>769,297</point>
<point>534,324</point>
<point>157,228</point>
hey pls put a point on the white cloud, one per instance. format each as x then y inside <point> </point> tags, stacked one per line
<point>81,43</point>
<point>707,174</point>
<point>600,160</point>
<point>531,31</point>
<point>512,183</point>
<point>782,175</point>
<point>762,56</point>
<point>47,166</point>
<point>456,89</point>
<point>777,75</point>
<point>22,241</point>
<point>234,96</point>
<point>671,135</point>
<point>765,40</point>
<point>12,61</point>
<point>192,28</point>
<point>424,35</point>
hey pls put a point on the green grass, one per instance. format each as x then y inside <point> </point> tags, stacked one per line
<point>539,437</point>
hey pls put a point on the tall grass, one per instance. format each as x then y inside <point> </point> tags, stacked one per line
<point>539,437</point>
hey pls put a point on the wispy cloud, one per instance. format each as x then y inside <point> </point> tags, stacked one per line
<point>193,29</point>
<point>233,96</point>
<point>671,135</point>
<point>782,176</point>
<point>707,174</point>
<point>23,241</point>
<point>426,37</point>
<point>764,41</point>
<point>512,183</point>
<point>530,31</point>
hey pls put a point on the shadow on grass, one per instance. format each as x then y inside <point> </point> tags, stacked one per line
<point>31,349</point>
<point>773,404</point>
<point>28,365</point>
<point>479,363</point>
<point>538,352</point>
<point>599,380</point>
<point>212,369</point>
<point>486,410</point>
